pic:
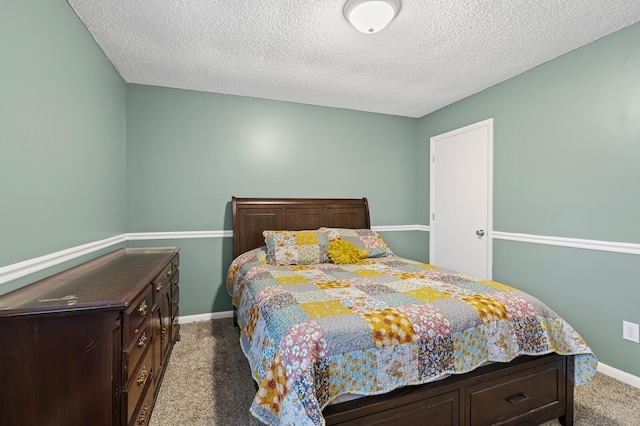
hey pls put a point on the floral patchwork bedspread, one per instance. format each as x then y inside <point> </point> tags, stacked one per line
<point>314,332</point>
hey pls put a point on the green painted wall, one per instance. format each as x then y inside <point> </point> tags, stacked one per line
<point>62,134</point>
<point>87,157</point>
<point>566,163</point>
<point>203,272</point>
<point>189,152</point>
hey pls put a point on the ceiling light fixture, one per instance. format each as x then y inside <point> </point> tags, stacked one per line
<point>371,16</point>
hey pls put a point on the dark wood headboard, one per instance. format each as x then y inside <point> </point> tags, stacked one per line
<point>251,216</point>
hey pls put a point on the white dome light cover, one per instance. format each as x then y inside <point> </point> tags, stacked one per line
<point>370,16</point>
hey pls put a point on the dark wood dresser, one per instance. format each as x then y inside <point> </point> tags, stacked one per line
<point>89,346</point>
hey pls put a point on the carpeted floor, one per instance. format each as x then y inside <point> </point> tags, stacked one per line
<point>208,382</point>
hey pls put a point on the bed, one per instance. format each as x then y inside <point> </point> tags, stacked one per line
<point>423,365</point>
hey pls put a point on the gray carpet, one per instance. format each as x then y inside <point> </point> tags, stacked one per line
<point>208,382</point>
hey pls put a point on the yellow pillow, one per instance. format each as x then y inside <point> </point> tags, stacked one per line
<point>342,251</point>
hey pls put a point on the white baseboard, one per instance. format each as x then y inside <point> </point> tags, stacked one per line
<point>627,378</point>
<point>205,317</point>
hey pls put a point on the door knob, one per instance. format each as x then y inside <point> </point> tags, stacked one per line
<point>480,233</point>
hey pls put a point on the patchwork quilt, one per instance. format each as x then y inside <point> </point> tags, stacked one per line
<point>314,332</point>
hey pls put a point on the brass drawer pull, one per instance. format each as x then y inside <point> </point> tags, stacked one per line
<point>517,399</point>
<point>142,377</point>
<point>142,419</point>
<point>164,332</point>
<point>142,341</point>
<point>159,287</point>
<point>169,272</point>
<point>143,308</point>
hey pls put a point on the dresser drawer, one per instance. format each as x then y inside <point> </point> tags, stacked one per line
<point>136,313</point>
<point>500,401</point>
<point>175,301</point>
<point>175,279</point>
<point>138,382</point>
<point>142,416</point>
<point>138,346</point>
<point>163,279</point>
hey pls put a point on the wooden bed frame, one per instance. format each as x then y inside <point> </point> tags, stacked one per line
<point>526,391</point>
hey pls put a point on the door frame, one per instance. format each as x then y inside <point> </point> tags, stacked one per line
<point>488,124</point>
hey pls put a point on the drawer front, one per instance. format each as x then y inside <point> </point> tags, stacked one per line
<point>175,279</point>
<point>497,403</point>
<point>175,301</point>
<point>176,261</point>
<point>136,314</point>
<point>138,383</point>
<point>440,410</point>
<point>163,279</point>
<point>142,416</point>
<point>137,348</point>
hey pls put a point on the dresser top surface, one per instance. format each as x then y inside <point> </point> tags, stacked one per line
<point>107,282</point>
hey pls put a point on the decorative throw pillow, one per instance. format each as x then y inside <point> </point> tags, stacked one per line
<point>296,247</point>
<point>364,239</point>
<point>343,251</point>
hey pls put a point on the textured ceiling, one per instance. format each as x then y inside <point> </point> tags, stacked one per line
<point>431,55</point>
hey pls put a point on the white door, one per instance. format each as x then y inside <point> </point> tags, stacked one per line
<point>461,199</point>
